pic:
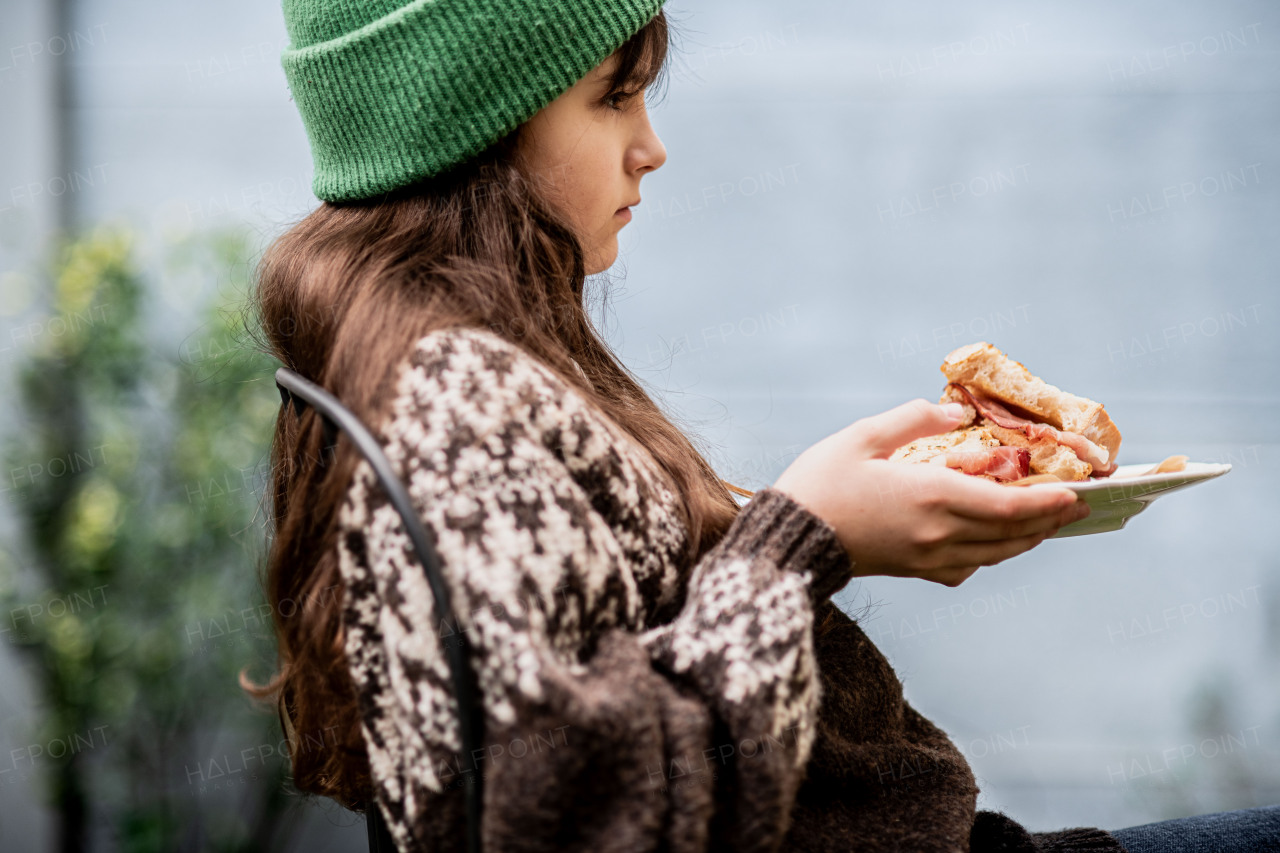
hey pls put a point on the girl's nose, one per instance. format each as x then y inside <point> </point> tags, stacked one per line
<point>649,150</point>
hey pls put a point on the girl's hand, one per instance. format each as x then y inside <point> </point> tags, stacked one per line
<point>918,520</point>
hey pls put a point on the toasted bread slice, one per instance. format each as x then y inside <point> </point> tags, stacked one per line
<point>934,448</point>
<point>983,368</point>
<point>924,449</point>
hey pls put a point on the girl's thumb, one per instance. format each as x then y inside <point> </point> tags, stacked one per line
<point>886,432</point>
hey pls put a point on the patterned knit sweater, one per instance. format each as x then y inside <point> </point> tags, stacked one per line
<point>629,705</point>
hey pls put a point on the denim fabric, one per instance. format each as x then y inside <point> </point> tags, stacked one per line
<point>1244,831</point>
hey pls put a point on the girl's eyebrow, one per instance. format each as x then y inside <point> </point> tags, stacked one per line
<point>635,81</point>
<point>606,67</point>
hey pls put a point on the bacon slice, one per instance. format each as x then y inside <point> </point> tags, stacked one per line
<point>1002,463</point>
<point>1084,449</point>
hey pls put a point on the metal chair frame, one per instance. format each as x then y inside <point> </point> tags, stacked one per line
<point>302,393</point>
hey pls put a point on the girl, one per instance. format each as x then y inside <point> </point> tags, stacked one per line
<point>660,669</point>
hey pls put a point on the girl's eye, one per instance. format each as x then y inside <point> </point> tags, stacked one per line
<point>612,100</point>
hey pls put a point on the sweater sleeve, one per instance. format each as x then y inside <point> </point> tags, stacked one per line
<point>602,732</point>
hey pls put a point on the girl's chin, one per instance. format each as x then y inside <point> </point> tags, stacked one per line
<point>603,257</point>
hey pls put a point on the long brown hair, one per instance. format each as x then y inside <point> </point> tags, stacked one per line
<point>341,298</point>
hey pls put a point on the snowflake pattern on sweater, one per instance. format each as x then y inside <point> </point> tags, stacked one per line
<point>560,542</point>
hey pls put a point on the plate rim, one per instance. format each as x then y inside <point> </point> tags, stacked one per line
<point>1205,471</point>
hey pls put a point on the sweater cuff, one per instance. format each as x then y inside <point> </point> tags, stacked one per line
<point>994,831</point>
<point>1077,840</point>
<point>776,526</point>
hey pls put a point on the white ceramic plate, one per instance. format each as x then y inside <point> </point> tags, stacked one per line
<point>1115,499</point>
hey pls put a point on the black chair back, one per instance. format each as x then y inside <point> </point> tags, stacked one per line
<point>334,416</point>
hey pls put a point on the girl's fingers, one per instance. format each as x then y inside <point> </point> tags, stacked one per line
<point>971,530</point>
<point>967,554</point>
<point>881,434</point>
<point>984,500</point>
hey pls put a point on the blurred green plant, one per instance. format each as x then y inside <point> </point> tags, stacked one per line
<point>136,473</point>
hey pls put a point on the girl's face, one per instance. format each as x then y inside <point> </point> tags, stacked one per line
<point>588,154</point>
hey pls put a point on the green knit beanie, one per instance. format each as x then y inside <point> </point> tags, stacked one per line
<point>393,91</point>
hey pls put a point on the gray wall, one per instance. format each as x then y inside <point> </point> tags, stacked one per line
<point>852,189</point>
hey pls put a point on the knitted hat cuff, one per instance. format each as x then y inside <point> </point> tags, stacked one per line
<point>435,82</point>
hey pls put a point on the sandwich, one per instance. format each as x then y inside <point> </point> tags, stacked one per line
<point>1015,425</point>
